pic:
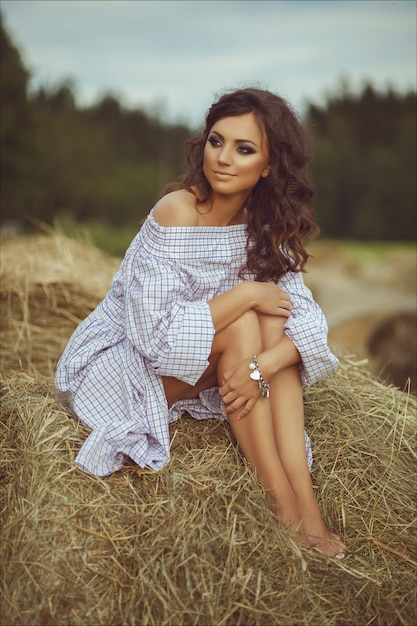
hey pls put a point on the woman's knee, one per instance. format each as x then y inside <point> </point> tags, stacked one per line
<point>272,329</point>
<point>245,327</point>
<point>244,332</point>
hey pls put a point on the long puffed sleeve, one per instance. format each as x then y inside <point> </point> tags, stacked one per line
<point>173,332</point>
<point>307,328</point>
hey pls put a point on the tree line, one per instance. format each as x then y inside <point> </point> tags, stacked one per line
<point>108,162</point>
<point>364,164</point>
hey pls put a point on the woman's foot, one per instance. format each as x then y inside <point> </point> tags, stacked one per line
<point>330,545</point>
<point>309,530</point>
<point>315,534</point>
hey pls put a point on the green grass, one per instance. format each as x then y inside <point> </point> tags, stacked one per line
<point>363,252</point>
<point>112,239</point>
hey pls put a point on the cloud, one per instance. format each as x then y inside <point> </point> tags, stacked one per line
<point>182,52</point>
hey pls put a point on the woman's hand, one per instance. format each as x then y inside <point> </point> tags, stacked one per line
<point>271,299</point>
<point>239,392</point>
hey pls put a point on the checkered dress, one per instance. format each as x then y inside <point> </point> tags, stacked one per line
<point>154,322</point>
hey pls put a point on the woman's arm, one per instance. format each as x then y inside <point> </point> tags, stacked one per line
<point>283,354</point>
<point>261,297</point>
<point>302,340</point>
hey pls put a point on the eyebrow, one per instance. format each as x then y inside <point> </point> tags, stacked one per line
<point>215,132</point>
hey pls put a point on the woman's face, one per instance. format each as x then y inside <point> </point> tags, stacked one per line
<point>235,155</point>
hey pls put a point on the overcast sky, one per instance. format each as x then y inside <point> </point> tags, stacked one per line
<point>177,55</point>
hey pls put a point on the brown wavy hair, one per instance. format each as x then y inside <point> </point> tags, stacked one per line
<point>280,207</point>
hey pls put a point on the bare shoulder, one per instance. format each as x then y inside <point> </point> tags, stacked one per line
<point>176,209</point>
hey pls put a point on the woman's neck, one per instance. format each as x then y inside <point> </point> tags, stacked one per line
<point>221,210</point>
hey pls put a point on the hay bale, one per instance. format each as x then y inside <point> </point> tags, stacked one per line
<point>393,346</point>
<point>195,543</point>
<point>48,285</point>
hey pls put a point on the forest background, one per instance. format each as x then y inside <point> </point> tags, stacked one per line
<point>103,166</point>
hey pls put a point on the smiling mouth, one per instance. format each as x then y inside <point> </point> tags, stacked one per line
<point>225,174</point>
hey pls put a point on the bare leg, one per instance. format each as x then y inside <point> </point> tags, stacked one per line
<point>179,390</point>
<point>287,406</point>
<point>255,433</point>
<point>272,436</point>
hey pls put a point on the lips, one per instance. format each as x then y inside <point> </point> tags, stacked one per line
<point>223,175</point>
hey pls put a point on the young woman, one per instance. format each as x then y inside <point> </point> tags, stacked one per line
<point>209,314</point>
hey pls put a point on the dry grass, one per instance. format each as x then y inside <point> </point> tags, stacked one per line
<point>48,285</point>
<point>195,543</point>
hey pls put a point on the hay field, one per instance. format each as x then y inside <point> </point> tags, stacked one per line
<point>194,543</point>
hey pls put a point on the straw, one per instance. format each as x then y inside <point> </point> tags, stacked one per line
<point>194,543</point>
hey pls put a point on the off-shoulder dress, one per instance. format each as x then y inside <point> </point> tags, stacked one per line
<point>155,321</point>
